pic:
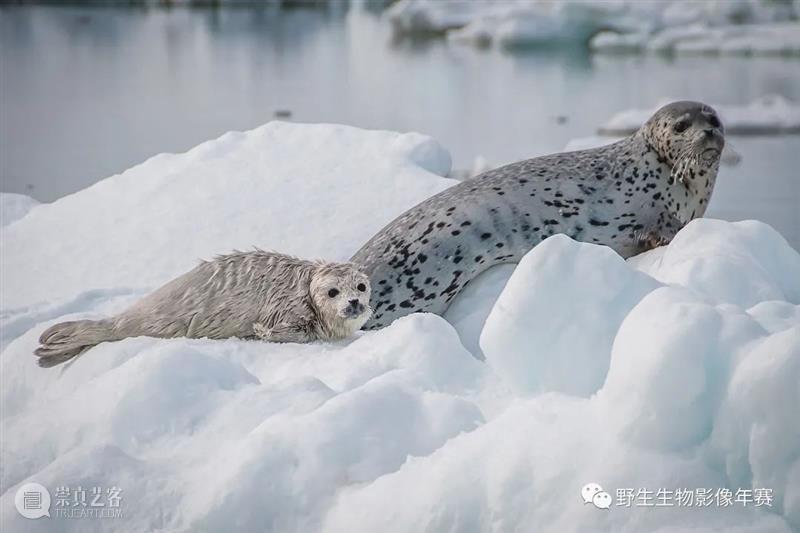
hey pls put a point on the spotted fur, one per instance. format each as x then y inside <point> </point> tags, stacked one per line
<point>632,195</point>
<point>256,294</point>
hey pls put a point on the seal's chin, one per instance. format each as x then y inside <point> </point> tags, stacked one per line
<point>355,323</point>
<point>350,313</point>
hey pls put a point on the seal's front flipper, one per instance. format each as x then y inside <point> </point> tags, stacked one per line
<point>284,332</point>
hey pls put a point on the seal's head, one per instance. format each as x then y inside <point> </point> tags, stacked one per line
<point>341,292</point>
<point>686,134</point>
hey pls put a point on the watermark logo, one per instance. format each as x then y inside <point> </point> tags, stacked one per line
<point>593,493</point>
<point>88,502</point>
<point>32,501</point>
<point>680,497</point>
<point>602,500</point>
<point>694,497</point>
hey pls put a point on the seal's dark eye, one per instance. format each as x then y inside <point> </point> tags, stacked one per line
<point>714,121</point>
<point>681,126</point>
<point>361,287</point>
<point>333,292</point>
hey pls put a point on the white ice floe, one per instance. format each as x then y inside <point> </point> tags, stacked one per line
<point>612,42</point>
<point>781,38</point>
<point>540,23</point>
<point>296,192</point>
<point>14,206</point>
<point>415,17</point>
<point>677,370</point>
<point>740,26</point>
<point>587,143</point>
<point>770,114</point>
<point>479,166</point>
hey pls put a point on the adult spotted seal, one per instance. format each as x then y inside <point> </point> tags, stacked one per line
<point>631,195</point>
<point>256,294</point>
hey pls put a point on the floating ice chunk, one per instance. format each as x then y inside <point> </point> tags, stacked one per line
<point>587,143</point>
<point>423,16</point>
<point>766,39</point>
<point>770,114</point>
<point>730,26</point>
<point>665,41</point>
<point>479,33</point>
<point>537,24</point>
<point>628,121</point>
<point>611,42</point>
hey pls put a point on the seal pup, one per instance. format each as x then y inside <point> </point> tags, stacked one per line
<point>632,195</point>
<point>257,294</point>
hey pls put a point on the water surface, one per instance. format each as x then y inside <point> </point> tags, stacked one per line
<point>88,92</point>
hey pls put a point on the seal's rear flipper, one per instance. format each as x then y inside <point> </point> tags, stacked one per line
<point>65,340</point>
<point>50,356</point>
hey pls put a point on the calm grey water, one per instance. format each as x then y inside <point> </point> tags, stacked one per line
<point>89,92</point>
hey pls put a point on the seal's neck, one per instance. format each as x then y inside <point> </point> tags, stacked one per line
<point>691,183</point>
<point>700,185</point>
<point>687,184</point>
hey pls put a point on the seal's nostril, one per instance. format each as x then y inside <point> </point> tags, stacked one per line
<point>353,303</point>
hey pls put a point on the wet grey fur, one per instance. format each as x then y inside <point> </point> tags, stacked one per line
<point>632,195</point>
<point>256,294</point>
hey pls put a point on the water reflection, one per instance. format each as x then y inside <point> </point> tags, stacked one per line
<point>88,92</point>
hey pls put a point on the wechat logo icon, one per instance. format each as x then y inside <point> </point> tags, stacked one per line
<point>593,493</point>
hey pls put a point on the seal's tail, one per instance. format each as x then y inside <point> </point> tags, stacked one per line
<point>63,341</point>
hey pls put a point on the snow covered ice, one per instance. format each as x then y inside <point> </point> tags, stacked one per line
<point>677,369</point>
<point>281,198</point>
<point>767,115</point>
<point>14,206</point>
